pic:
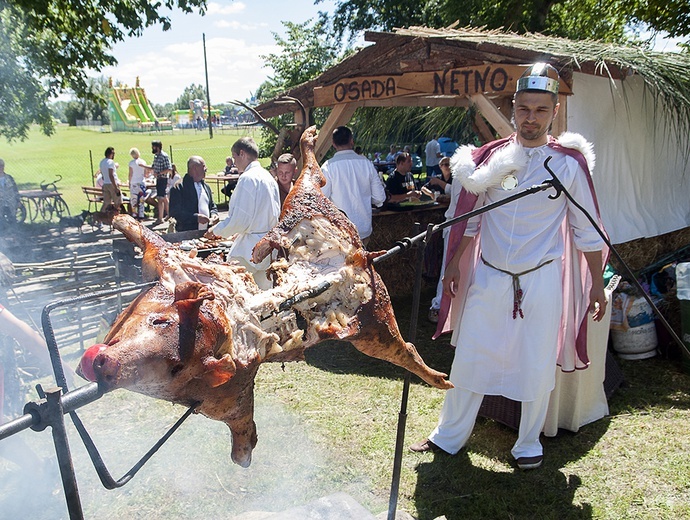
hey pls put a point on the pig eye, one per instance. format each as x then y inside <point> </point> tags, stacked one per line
<point>159,321</point>
<point>176,369</point>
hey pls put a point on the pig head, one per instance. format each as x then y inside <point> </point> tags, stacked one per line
<point>179,346</point>
<point>189,339</point>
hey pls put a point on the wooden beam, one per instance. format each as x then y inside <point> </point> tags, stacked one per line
<point>418,101</point>
<point>492,114</point>
<point>560,124</point>
<point>340,115</point>
<point>482,128</point>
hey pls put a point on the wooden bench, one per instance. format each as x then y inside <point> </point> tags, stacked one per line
<point>94,195</point>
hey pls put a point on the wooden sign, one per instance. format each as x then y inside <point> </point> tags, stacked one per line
<point>466,81</point>
<point>352,90</point>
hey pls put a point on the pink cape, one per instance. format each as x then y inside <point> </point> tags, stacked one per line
<point>572,339</point>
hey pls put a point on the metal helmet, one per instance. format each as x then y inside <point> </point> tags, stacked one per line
<point>540,76</point>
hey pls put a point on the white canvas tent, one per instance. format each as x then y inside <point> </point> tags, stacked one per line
<point>642,174</point>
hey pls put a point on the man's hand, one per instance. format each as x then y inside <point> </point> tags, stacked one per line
<point>450,279</point>
<point>597,298</point>
<point>202,219</point>
<point>597,301</point>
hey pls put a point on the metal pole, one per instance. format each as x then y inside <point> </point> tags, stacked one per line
<point>69,480</point>
<point>93,179</point>
<point>208,94</point>
<point>402,416</point>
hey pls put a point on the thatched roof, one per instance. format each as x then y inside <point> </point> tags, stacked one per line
<point>421,49</point>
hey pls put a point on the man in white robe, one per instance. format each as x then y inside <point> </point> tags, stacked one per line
<point>253,210</point>
<point>513,303</point>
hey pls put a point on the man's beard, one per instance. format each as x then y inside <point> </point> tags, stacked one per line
<point>533,133</point>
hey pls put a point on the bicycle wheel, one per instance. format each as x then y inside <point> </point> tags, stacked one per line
<point>61,208</point>
<point>47,207</point>
<point>21,213</point>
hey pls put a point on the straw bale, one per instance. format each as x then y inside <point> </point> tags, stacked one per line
<point>398,272</point>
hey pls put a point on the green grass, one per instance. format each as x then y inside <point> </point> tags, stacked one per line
<point>329,424</point>
<point>75,153</point>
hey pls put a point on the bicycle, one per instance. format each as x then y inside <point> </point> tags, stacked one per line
<point>21,212</point>
<point>54,204</point>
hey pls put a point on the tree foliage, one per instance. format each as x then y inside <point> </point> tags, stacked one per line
<point>575,19</point>
<point>48,46</point>
<point>190,93</point>
<point>93,105</point>
<point>305,52</point>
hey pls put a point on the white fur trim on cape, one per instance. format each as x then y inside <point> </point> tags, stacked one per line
<point>509,159</point>
<point>579,143</point>
<point>504,161</point>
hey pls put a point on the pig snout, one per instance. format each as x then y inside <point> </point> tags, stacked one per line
<point>85,368</point>
<point>97,365</point>
<point>106,369</point>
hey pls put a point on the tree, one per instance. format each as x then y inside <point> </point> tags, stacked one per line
<point>306,52</point>
<point>190,93</point>
<point>164,111</point>
<point>47,47</point>
<point>575,19</point>
<point>92,105</point>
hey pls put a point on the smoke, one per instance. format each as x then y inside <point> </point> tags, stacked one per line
<point>190,477</point>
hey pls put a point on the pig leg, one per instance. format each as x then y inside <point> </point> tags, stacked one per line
<point>379,337</point>
<point>244,440</point>
<point>239,416</point>
<point>404,355</point>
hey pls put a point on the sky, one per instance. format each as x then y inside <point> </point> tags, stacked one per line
<point>237,33</point>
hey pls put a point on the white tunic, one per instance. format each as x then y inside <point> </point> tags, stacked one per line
<point>353,186</point>
<point>254,210</point>
<point>496,354</point>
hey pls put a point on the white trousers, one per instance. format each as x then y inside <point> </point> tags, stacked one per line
<point>436,301</point>
<point>459,413</point>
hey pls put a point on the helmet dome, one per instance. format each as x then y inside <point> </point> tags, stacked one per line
<point>540,76</point>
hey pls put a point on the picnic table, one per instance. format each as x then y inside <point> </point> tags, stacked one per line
<point>219,180</point>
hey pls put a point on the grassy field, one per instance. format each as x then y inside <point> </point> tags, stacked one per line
<point>74,154</point>
<point>329,425</point>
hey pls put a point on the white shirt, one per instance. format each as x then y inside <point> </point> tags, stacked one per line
<point>138,171</point>
<point>203,204</point>
<point>433,148</point>
<point>253,211</point>
<point>537,238</point>
<point>106,165</point>
<point>353,185</point>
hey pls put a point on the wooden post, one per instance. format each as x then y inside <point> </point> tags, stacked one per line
<point>560,124</point>
<point>493,115</point>
<point>339,116</point>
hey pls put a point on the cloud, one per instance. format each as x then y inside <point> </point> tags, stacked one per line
<point>235,69</point>
<point>234,8</point>
<point>224,24</point>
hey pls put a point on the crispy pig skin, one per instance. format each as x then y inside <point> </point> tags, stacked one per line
<point>373,329</point>
<point>200,333</point>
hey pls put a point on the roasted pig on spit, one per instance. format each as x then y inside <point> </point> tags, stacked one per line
<point>200,333</point>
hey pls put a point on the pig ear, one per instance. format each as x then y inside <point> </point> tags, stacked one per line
<point>195,291</point>
<point>218,371</point>
<point>189,296</point>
